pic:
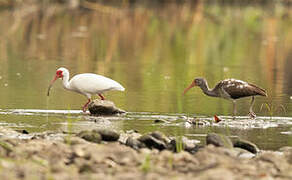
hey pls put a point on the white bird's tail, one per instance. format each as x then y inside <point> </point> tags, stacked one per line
<point>118,87</point>
<point>112,84</point>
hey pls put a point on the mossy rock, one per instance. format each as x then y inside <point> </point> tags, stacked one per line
<point>134,143</point>
<point>90,136</point>
<point>244,144</point>
<point>152,142</point>
<point>107,135</point>
<point>103,107</point>
<point>219,140</point>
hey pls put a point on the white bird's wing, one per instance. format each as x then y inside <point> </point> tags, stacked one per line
<point>93,84</point>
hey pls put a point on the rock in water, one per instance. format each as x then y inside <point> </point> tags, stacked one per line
<point>103,107</point>
<point>219,140</point>
<point>249,146</point>
<point>184,143</point>
<point>153,140</point>
<point>90,136</point>
<point>107,135</point>
<point>134,143</point>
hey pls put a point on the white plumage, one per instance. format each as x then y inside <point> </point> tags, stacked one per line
<point>87,84</point>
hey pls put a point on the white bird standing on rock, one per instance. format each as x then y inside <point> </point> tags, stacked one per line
<point>87,84</point>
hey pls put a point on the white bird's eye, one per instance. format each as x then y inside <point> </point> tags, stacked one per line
<point>59,72</point>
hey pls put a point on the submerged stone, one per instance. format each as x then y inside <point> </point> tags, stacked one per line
<point>134,143</point>
<point>160,136</point>
<point>219,140</point>
<point>197,122</point>
<point>90,136</point>
<point>183,143</point>
<point>244,144</point>
<point>23,131</point>
<point>160,121</point>
<point>156,140</point>
<point>104,107</point>
<point>152,142</point>
<point>108,135</point>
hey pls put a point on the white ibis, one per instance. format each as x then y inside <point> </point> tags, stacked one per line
<point>87,84</point>
<point>231,89</point>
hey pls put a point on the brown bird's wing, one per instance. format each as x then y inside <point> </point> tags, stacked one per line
<point>238,89</point>
<point>258,90</point>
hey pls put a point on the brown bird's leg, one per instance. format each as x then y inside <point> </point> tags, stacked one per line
<point>234,109</point>
<point>251,114</point>
<point>101,96</point>
<point>85,105</point>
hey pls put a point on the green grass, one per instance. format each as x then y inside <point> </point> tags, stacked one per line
<point>273,109</point>
<point>70,121</point>
<point>146,164</point>
<point>179,144</point>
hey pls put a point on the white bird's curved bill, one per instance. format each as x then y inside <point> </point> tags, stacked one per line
<point>51,84</point>
<point>49,88</point>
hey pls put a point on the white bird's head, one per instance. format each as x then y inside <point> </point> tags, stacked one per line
<point>60,73</point>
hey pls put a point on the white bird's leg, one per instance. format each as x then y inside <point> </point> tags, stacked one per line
<point>251,114</point>
<point>234,109</point>
<point>86,105</point>
<point>101,96</point>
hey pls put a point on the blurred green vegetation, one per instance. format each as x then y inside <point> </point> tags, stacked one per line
<point>154,50</point>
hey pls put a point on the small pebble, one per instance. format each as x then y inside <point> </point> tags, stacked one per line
<point>6,84</point>
<point>246,155</point>
<point>290,96</point>
<point>188,125</point>
<point>23,131</point>
<point>160,121</point>
<point>183,117</point>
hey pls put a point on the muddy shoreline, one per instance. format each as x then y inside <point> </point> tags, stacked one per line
<point>109,155</point>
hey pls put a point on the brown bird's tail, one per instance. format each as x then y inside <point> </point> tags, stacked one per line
<point>258,90</point>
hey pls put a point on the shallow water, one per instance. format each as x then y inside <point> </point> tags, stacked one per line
<point>154,53</point>
<point>266,132</point>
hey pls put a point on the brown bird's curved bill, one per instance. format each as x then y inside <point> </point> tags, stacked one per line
<point>188,88</point>
<point>51,84</point>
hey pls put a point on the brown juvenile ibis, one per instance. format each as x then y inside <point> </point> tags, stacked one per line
<point>230,89</point>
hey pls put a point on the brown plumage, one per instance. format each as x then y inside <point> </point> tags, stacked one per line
<point>230,89</point>
<point>239,89</point>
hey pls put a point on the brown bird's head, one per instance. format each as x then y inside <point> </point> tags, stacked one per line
<point>197,82</point>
